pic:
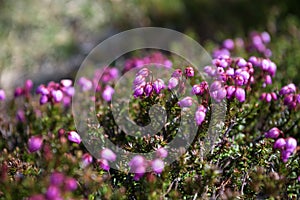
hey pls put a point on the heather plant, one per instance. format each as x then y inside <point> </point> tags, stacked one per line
<point>44,156</point>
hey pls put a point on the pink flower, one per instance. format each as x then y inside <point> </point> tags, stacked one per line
<point>148,89</point>
<point>85,84</point>
<point>108,154</point>
<point>57,95</point>
<point>74,137</point>
<point>157,165</point>
<point>70,184</point>
<point>189,72</point>
<point>103,164</point>
<point>291,144</point>
<point>273,133</point>
<point>108,93</point>
<point>199,117</point>
<point>186,102</point>
<point>57,178</point>
<point>173,82</point>
<point>161,152</point>
<point>53,193</point>
<point>87,159</point>
<point>279,143</point>
<point>35,143</point>
<point>240,94</point>
<point>66,82</point>
<point>228,44</point>
<point>2,95</point>
<point>177,73</point>
<point>158,85</point>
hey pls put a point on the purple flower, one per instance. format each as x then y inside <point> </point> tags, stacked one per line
<point>268,80</point>
<point>139,91</point>
<point>291,144</point>
<point>143,72</point>
<point>108,154</point>
<point>285,155</point>
<point>57,178</point>
<point>137,161</point>
<point>42,90</point>
<point>177,73</point>
<point>85,84</point>
<point>2,95</point>
<point>211,71</point>
<point>35,143</point>
<point>240,94</point>
<point>189,72</point>
<point>74,137</point>
<point>87,159</point>
<point>139,80</point>
<point>18,92</point>
<point>173,82</point>
<point>161,152</point>
<point>199,117</point>
<point>70,184</point>
<point>57,95</point>
<point>230,91</point>
<point>104,164</point>
<point>186,102</point>
<point>265,37</point>
<point>21,115</point>
<point>241,62</point>
<point>43,99</point>
<point>53,193</point>
<point>28,85</point>
<point>217,91</point>
<point>290,88</point>
<point>279,143</point>
<point>158,85</point>
<point>66,82</point>
<point>268,97</point>
<point>273,133</point>
<point>148,89</point>
<point>139,172</point>
<point>157,166</point>
<point>108,93</point>
<point>228,44</point>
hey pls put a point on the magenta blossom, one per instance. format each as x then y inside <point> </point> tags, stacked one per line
<point>70,184</point>
<point>2,95</point>
<point>108,93</point>
<point>161,152</point>
<point>87,159</point>
<point>108,154</point>
<point>157,166</point>
<point>35,143</point>
<point>74,137</point>
<point>186,102</point>
<point>273,133</point>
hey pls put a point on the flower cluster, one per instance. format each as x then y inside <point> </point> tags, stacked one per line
<point>59,184</point>
<point>143,85</point>
<point>56,92</point>
<point>25,90</point>
<point>256,42</point>
<point>291,99</point>
<point>286,146</point>
<point>155,58</point>
<point>138,164</point>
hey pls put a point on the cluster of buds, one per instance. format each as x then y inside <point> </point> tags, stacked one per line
<point>268,97</point>
<point>156,58</point>
<point>286,146</point>
<point>138,164</point>
<point>257,42</point>
<point>59,183</point>
<point>291,99</point>
<point>144,86</point>
<point>25,90</point>
<point>107,156</point>
<point>56,92</point>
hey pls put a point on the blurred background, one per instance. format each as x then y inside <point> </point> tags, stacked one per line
<point>48,39</point>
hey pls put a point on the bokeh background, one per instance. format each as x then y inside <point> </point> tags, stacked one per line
<point>48,39</point>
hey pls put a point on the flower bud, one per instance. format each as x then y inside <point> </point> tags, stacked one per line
<point>74,137</point>
<point>273,133</point>
<point>279,143</point>
<point>108,154</point>
<point>35,143</point>
<point>157,166</point>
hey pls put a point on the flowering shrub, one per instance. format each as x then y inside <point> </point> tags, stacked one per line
<point>256,155</point>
